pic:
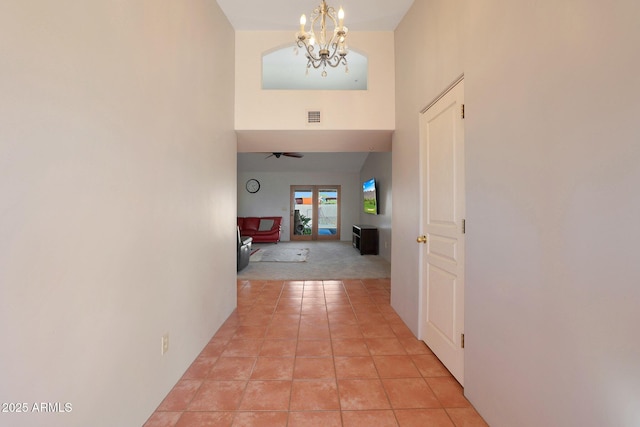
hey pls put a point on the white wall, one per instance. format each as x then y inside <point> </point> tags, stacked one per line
<point>552,159</point>
<point>275,190</point>
<point>372,109</point>
<point>378,166</point>
<point>117,176</point>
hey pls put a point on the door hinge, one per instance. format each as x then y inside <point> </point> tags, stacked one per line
<point>462,111</point>
<point>464,226</point>
<point>462,340</point>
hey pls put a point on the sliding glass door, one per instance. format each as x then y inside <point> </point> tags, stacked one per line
<point>302,209</point>
<point>315,212</point>
<point>328,213</point>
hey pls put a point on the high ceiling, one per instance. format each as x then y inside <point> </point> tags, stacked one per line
<point>284,15</point>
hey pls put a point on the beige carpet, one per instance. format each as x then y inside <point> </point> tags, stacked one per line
<point>326,260</point>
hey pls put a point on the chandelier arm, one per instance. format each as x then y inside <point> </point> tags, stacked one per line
<point>308,47</point>
<point>337,60</point>
<point>314,64</point>
<point>310,50</point>
<point>333,50</point>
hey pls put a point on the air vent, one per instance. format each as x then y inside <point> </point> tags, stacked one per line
<point>313,117</point>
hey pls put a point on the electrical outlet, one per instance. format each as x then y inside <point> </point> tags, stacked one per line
<point>165,343</point>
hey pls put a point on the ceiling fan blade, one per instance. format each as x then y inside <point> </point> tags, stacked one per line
<point>278,155</point>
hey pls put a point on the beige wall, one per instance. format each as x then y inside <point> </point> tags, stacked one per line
<point>372,109</point>
<point>118,198</point>
<point>552,159</point>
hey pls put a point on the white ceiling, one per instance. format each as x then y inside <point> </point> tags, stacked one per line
<point>283,15</point>
<point>251,141</point>
<point>311,162</point>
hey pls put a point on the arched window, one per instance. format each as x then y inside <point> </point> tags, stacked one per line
<point>282,69</point>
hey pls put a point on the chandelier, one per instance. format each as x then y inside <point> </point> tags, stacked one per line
<point>324,47</point>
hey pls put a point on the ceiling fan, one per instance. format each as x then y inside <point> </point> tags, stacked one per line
<point>278,155</point>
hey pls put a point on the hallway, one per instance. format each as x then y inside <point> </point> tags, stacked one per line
<point>315,353</point>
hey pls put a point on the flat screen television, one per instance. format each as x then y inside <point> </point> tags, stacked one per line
<point>370,197</point>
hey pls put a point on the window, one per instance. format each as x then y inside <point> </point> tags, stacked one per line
<point>282,69</point>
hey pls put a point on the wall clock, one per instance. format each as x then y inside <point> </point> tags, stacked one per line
<point>253,185</point>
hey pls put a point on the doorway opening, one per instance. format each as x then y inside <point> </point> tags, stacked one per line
<point>315,212</point>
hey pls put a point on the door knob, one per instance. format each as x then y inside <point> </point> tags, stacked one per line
<point>422,239</point>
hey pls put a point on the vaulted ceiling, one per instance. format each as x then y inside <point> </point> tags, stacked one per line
<point>284,15</point>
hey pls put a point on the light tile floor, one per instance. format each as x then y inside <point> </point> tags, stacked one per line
<point>315,353</point>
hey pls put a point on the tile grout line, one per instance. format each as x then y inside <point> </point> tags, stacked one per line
<point>251,306</point>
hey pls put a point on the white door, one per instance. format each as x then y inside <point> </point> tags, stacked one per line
<point>442,222</point>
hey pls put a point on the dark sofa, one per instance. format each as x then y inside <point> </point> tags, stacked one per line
<point>264,229</point>
<point>244,251</point>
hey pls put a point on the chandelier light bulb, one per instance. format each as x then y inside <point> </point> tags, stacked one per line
<point>303,22</point>
<point>341,18</point>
